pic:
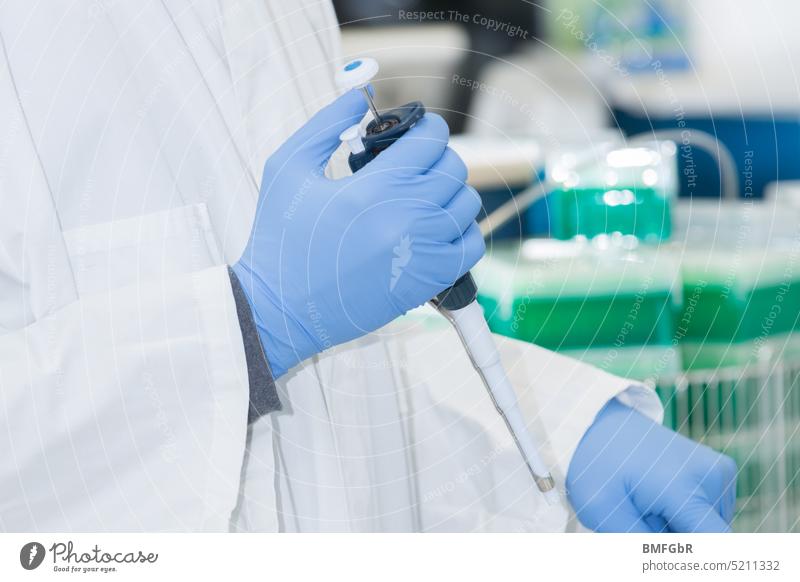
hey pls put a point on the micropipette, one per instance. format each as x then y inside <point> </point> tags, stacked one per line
<point>458,303</point>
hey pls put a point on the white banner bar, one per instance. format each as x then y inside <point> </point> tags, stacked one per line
<point>398,557</point>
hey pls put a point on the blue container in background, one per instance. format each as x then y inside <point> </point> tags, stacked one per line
<point>769,147</point>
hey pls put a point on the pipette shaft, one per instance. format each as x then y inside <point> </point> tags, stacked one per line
<point>479,345</point>
<point>457,303</point>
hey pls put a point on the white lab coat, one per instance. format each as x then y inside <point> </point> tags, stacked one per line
<point>132,137</point>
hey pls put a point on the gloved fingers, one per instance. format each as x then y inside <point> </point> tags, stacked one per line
<point>606,515</point>
<point>468,248</point>
<point>459,214</point>
<point>444,180</point>
<point>415,152</point>
<point>445,262</point>
<point>719,484</point>
<point>632,525</point>
<point>314,143</point>
<point>450,169</point>
<point>728,501</point>
<point>656,523</point>
<point>626,521</point>
<point>694,514</point>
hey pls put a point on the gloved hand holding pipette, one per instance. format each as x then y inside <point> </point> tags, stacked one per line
<point>407,207</point>
<point>331,260</point>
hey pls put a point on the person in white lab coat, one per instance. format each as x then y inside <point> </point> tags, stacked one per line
<point>133,140</point>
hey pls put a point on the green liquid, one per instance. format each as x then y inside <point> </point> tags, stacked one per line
<point>563,323</point>
<point>733,302</point>
<point>720,315</point>
<point>634,210</point>
<point>575,298</point>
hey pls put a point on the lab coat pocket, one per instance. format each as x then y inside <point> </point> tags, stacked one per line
<point>153,246</point>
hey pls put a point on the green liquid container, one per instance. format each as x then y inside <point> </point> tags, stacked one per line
<point>622,190</point>
<point>639,211</point>
<point>576,296</point>
<point>735,300</point>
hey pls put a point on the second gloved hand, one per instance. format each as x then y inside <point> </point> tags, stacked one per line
<point>630,474</point>
<point>331,260</point>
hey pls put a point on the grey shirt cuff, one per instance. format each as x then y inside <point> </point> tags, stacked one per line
<point>263,393</point>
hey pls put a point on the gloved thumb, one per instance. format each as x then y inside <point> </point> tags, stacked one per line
<point>316,141</point>
<point>696,515</point>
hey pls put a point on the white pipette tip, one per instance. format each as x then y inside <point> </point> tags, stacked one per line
<point>547,487</point>
<point>553,497</point>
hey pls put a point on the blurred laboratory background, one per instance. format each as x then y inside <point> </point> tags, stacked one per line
<point>639,165</point>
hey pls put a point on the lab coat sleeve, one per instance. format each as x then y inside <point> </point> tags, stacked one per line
<point>126,410</point>
<point>565,395</point>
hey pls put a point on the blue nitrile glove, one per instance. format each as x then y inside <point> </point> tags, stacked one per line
<point>630,474</point>
<point>331,260</point>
